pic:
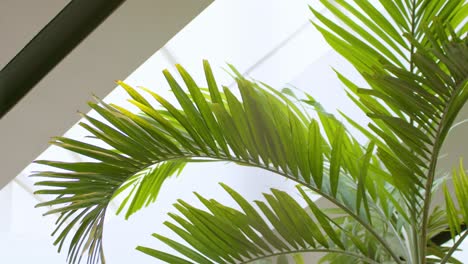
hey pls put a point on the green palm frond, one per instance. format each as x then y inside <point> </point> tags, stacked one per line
<point>373,35</point>
<point>264,129</point>
<point>226,235</point>
<point>429,111</point>
<point>457,213</point>
<point>406,102</point>
<point>412,54</point>
<point>84,192</point>
<point>143,188</point>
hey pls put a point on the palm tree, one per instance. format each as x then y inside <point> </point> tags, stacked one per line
<point>413,55</point>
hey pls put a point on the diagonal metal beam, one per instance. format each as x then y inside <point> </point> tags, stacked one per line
<point>123,41</point>
<point>58,38</point>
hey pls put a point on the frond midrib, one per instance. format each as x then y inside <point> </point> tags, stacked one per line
<point>326,196</point>
<point>438,142</point>
<point>342,252</point>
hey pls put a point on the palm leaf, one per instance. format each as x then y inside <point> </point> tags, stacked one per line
<point>413,56</point>
<point>456,213</point>
<point>143,188</point>
<point>239,234</point>
<point>405,50</point>
<point>262,129</point>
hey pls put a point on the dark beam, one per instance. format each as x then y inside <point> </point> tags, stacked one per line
<point>445,236</point>
<point>57,39</point>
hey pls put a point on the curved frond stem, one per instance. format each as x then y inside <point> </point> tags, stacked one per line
<point>361,257</point>
<point>415,238</point>
<point>453,248</point>
<point>418,243</point>
<point>392,227</point>
<point>413,29</point>
<point>431,175</point>
<point>333,200</point>
<point>366,226</point>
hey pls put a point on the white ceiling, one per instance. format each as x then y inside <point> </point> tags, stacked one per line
<point>115,49</point>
